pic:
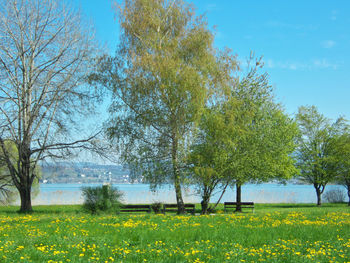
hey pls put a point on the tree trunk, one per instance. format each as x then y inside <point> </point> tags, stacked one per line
<point>178,192</point>
<point>348,194</point>
<point>177,184</point>
<point>318,194</point>
<point>26,180</point>
<point>205,204</point>
<point>26,200</point>
<point>238,197</point>
<point>222,194</point>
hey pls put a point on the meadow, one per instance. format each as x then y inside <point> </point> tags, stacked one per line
<point>274,233</point>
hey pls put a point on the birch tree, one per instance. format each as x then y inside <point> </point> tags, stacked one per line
<point>45,54</point>
<point>161,77</point>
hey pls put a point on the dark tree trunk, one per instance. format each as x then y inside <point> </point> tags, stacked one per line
<point>348,194</point>
<point>319,190</point>
<point>238,197</point>
<point>319,201</point>
<point>26,199</point>
<point>26,180</point>
<point>205,203</point>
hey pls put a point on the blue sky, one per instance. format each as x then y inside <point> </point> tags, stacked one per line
<point>305,44</point>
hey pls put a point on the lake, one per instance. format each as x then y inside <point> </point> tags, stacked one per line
<point>51,194</point>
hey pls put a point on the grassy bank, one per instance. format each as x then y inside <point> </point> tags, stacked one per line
<point>274,233</point>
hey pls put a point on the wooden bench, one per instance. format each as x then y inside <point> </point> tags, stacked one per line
<point>233,205</point>
<point>135,208</point>
<point>189,208</point>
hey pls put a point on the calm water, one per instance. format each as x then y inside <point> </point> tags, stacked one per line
<point>140,193</point>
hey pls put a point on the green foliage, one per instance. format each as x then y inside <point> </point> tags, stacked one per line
<point>101,199</point>
<point>161,79</point>
<point>157,207</point>
<point>317,148</point>
<point>244,137</point>
<point>342,158</point>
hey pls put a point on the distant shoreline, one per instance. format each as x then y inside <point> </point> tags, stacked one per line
<point>59,193</point>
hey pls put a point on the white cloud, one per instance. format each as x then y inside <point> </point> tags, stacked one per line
<point>211,7</point>
<point>302,65</point>
<point>328,43</point>
<point>324,64</point>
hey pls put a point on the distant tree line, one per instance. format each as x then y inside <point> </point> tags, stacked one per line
<point>183,111</point>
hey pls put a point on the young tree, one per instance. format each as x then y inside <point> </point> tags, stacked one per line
<point>161,76</point>
<point>342,158</point>
<point>316,148</point>
<point>45,56</point>
<point>207,159</point>
<point>246,137</point>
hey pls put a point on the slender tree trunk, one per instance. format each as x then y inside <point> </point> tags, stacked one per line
<point>177,183</point>
<point>318,194</point>
<point>222,194</point>
<point>178,192</point>
<point>348,187</point>
<point>205,203</point>
<point>238,197</point>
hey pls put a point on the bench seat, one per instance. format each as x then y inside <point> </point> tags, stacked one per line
<point>135,208</point>
<point>189,208</point>
<point>233,205</point>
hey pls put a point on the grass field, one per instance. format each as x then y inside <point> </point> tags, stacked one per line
<point>274,233</point>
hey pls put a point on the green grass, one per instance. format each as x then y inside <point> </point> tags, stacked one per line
<point>274,233</point>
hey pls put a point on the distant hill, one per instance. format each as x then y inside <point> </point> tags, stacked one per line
<point>83,172</point>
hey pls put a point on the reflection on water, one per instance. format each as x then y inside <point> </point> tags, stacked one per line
<point>140,193</point>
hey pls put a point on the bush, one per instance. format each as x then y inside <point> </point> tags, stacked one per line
<point>157,207</point>
<point>334,196</point>
<point>101,198</point>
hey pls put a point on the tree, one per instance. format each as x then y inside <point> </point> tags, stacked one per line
<point>316,148</point>
<point>45,56</point>
<point>207,158</point>
<point>8,192</point>
<point>342,158</point>
<point>161,76</point>
<point>246,137</point>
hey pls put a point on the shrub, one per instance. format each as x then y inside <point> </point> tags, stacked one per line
<point>334,196</point>
<point>157,207</point>
<point>101,198</point>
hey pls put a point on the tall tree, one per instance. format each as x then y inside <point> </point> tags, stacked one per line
<point>316,152</point>
<point>45,55</point>
<point>161,76</point>
<point>8,192</point>
<point>246,137</point>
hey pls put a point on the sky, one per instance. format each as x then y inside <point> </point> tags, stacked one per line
<point>304,44</point>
